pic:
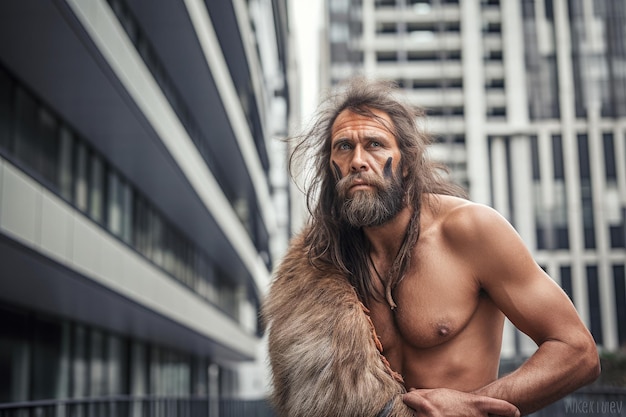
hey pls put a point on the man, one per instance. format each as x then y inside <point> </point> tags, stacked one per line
<point>437,273</point>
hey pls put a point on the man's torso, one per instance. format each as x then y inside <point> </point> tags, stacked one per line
<point>446,331</point>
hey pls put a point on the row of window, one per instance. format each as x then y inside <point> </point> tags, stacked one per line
<point>44,146</point>
<point>595,299</point>
<point>226,28</point>
<point>598,53</point>
<point>413,3</point>
<point>43,358</point>
<point>408,56</point>
<point>411,27</point>
<point>419,84</point>
<point>443,83</point>
<point>253,224</point>
<point>551,222</point>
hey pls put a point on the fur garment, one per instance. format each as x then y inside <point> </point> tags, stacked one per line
<point>325,357</point>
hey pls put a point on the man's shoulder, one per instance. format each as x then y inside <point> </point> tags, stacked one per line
<point>463,221</point>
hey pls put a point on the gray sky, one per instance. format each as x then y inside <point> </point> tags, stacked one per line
<point>306,18</point>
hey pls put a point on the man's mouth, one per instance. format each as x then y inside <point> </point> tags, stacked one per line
<point>360,185</point>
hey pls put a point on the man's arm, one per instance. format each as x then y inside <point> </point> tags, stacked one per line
<point>566,358</point>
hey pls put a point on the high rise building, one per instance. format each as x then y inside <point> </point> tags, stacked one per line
<point>143,202</point>
<point>527,102</point>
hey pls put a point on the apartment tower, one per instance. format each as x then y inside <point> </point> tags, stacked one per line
<point>143,202</point>
<point>526,100</point>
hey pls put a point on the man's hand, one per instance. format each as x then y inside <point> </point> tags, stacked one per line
<point>443,402</point>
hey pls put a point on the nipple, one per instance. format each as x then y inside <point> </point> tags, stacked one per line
<point>443,331</point>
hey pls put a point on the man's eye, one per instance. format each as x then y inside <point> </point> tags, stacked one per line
<point>375,144</point>
<point>344,146</point>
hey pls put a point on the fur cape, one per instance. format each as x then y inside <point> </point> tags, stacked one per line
<point>325,356</point>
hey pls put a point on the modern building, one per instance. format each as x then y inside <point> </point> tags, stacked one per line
<point>527,102</point>
<point>143,202</point>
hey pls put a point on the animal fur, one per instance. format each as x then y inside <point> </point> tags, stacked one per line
<point>325,357</point>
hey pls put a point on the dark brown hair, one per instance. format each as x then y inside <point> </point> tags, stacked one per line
<point>332,242</point>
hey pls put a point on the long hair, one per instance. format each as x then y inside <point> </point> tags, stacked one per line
<point>333,241</point>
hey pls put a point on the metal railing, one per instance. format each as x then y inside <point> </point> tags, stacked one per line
<point>588,402</point>
<point>128,406</point>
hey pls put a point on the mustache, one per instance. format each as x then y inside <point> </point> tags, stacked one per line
<point>344,184</point>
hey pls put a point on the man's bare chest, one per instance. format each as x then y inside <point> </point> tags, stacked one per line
<point>435,302</point>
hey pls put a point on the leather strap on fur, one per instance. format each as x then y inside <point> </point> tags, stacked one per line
<point>379,346</point>
<point>386,409</point>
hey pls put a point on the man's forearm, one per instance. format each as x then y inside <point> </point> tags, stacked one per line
<point>555,370</point>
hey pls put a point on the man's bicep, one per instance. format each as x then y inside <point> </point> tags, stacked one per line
<point>538,307</point>
<point>529,298</point>
<point>505,269</point>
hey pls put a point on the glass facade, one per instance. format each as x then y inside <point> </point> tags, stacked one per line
<point>136,197</point>
<point>47,148</point>
<point>540,59</point>
<point>207,145</point>
<point>66,368</point>
<point>598,53</point>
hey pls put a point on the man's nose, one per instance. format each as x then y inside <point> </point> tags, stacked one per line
<point>358,162</point>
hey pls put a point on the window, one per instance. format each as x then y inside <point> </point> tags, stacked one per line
<point>114,204</point>
<point>610,168</point>
<point>386,27</point>
<point>117,352</point>
<point>542,218</point>
<point>126,206</point>
<point>423,56</point>
<point>595,313</point>
<point>48,147</point>
<point>565,273</point>
<point>619,280</point>
<point>97,364</point>
<point>586,192</point>
<point>492,27</point>
<point>618,234</point>
<point>561,230</point>
<point>46,360</point>
<point>15,355</point>
<point>385,3</point>
<point>557,157</point>
<point>26,134</point>
<point>80,178</point>
<point>6,110</point>
<point>339,6</point>
<point>35,139</point>
<point>96,188</point>
<point>386,56</point>
<point>534,152</point>
<point>79,370</point>
<point>65,173</point>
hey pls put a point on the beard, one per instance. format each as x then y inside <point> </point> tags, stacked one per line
<point>370,207</point>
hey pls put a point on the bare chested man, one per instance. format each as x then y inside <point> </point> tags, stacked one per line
<point>438,273</point>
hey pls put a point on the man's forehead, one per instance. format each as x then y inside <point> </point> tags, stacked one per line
<point>373,118</point>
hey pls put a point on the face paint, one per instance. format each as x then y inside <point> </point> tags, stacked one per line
<point>338,175</point>
<point>387,173</point>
